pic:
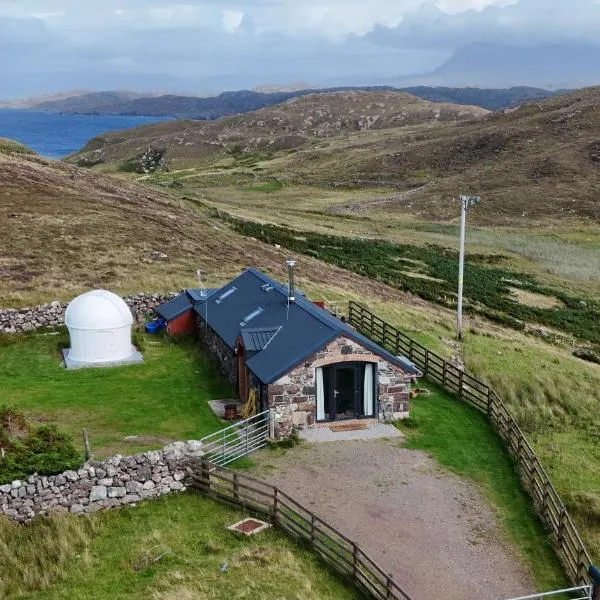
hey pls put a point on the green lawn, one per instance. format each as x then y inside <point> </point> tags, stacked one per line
<point>111,554</point>
<point>163,399</point>
<point>460,438</point>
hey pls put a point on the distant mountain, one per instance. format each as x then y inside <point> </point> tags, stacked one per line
<point>93,102</point>
<point>25,103</point>
<point>553,66</point>
<point>490,98</point>
<point>232,103</point>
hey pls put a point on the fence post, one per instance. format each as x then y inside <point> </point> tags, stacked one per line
<point>560,535</point>
<point>460,383</point>
<point>312,529</point>
<point>275,505</point>
<point>271,423</point>
<point>411,353</point>
<point>426,369</point>
<point>520,451</point>
<point>236,488</point>
<point>545,500</point>
<point>444,374</point>
<point>532,468</point>
<point>205,474</point>
<point>489,402</point>
<point>581,566</point>
<point>384,329</point>
<point>389,583</point>
<point>354,560</point>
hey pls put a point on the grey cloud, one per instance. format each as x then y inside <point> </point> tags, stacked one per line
<point>88,44</point>
<point>526,22</point>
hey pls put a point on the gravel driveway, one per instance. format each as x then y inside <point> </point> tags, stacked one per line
<point>433,531</point>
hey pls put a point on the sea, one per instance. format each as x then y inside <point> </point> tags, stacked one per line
<point>57,135</point>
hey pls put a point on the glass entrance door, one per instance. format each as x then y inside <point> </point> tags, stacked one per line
<point>346,391</point>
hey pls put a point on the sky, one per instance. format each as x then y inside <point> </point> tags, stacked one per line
<point>211,45</point>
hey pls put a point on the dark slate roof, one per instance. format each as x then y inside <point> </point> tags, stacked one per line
<point>256,339</point>
<point>254,301</point>
<point>181,303</point>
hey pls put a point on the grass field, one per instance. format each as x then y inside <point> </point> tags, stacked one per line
<point>460,438</point>
<point>161,400</point>
<point>112,555</point>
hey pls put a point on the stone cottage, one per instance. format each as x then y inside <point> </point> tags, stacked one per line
<point>300,360</point>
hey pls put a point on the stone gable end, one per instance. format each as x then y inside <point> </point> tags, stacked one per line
<point>293,396</point>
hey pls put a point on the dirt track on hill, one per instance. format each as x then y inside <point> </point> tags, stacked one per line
<point>433,531</point>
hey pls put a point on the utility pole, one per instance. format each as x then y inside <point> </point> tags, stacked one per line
<point>465,203</point>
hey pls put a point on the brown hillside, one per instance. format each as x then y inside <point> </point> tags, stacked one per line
<point>540,161</point>
<point>286,126</point>
<point>66,230</point>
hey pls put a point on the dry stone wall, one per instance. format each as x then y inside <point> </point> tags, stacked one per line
<point>19,320</point>
<point>97,485</point>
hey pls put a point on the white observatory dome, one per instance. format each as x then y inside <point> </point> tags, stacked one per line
<point>99,324</point>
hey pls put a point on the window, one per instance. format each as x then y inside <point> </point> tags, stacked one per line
<point>251,316</point>
<point>225,294</point>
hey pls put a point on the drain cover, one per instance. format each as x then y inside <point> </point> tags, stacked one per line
<point>249,526</point>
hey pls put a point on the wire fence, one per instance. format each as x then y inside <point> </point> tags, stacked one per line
<point>547,502</point>
<point>340,553</point>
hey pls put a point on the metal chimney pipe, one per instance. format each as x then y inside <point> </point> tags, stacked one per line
<point>291,291</point>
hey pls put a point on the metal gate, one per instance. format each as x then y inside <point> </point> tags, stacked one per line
<point>237,440</point>
<point>583,592</point>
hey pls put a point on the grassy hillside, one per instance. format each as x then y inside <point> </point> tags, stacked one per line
<point>280,128</point>
<point>68,230</point>
<point>165,549</point>
<point>11,147</point>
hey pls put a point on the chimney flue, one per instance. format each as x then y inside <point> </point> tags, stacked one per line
<point>291,291</point>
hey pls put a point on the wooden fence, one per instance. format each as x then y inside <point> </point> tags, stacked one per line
<point>342,554</point>
<point>547,502</point>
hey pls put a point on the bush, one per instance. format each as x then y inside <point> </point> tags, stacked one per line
<point>27,449</point>
<point>587,354</point>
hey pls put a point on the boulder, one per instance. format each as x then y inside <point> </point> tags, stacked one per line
<point>99,492</point>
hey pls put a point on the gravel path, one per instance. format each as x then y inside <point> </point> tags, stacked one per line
<point>433,531</point>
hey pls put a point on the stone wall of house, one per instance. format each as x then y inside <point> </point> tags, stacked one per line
<point>98,485</point>
<point>219,350</point>
<point>19,320</point>
<point>293,396</point>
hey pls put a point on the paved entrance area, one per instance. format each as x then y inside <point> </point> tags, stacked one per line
<point>372,431</point>
<point>433,531</point>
